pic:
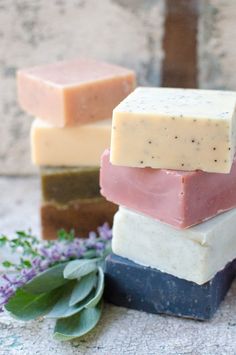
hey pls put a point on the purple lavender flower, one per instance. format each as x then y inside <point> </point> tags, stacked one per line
<point>8,288</point>
<point>105,232</point>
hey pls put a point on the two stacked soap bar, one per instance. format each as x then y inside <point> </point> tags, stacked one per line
<point>174,249</point>
<point>74,101</point>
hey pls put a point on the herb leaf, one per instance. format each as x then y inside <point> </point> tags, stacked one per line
<point>47,280</point>
<point>66,236</point>
<point>77,325</point>
<point>78,268</point>
<point>3,240</point>
<point>7,263</point>
<point>26,306</point>
<point>62,310</point>
<point>82,288</point>
<point>99,290</point>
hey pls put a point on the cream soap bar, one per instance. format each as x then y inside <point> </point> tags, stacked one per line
<point>181,129</point>
<point>195,254</point>
<point>69,146</point>
<point>73,92</point>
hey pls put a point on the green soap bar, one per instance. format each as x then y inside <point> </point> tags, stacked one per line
<point>62,185</point>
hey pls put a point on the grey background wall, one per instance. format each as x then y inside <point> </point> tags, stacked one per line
<point>216,44</point>
<point>126,32</point>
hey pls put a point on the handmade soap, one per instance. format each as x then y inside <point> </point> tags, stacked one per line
<point>179,198</point>
<point>195,254</point>
<point>73,92</point>
<point>62,185</point>
<point>142,288</point>
<point>181,129</point>
<point>82,216</point>
<point>69,146</point>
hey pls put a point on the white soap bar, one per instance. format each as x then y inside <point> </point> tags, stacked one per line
<point>195,254</point>
<point>181,129</point>
<point>69,146</point>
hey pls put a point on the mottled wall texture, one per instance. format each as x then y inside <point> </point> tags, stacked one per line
<point>216,44</point>
<point>133,33</point>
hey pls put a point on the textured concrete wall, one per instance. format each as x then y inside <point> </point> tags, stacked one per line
<point>40,31</point>
<point>217,49</point>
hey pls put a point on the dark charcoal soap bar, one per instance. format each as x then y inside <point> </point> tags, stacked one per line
<point>145,289</point>
<point>62,185</point>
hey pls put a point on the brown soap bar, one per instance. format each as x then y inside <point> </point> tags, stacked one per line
<point>63,185</point>
<point>73,92</point>
<point>82,217</point>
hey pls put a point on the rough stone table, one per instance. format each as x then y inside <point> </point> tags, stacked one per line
<point>121,331</point>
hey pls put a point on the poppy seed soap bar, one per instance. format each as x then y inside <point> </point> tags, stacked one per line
<point>180,129</point>
<point>69,146</point>
<point>73,92</point>
<point>179,198</point>
<point>195,254</point>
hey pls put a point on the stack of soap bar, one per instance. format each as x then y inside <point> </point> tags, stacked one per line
<point>73,103</point>
<point>174,249</point>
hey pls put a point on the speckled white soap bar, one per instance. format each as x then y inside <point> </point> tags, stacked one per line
<point>181,129</point>
<point>195,254</point>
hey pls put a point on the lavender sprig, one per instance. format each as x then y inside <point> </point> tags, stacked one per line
<point>38,255</point>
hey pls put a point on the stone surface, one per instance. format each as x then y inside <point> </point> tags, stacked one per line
<point>129,34</point>
<point>121,331</point>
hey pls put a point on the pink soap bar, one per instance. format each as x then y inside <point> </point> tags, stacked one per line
<point>179,198</point>
<point>73,92</point>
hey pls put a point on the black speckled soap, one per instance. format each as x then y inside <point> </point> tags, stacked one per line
<point>145,289</point>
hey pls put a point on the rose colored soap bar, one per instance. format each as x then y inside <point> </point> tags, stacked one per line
<point>73,92</point>
<point>179,198</point>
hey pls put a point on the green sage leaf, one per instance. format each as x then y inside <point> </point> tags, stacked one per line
<point>63,310</point>
<point>26,306</point>
<point>90,254</point>
<point>78,268</point>
<point>82,288</point>
<point>99,290</point>
<point>47,280</point>
<point>77,325</point>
